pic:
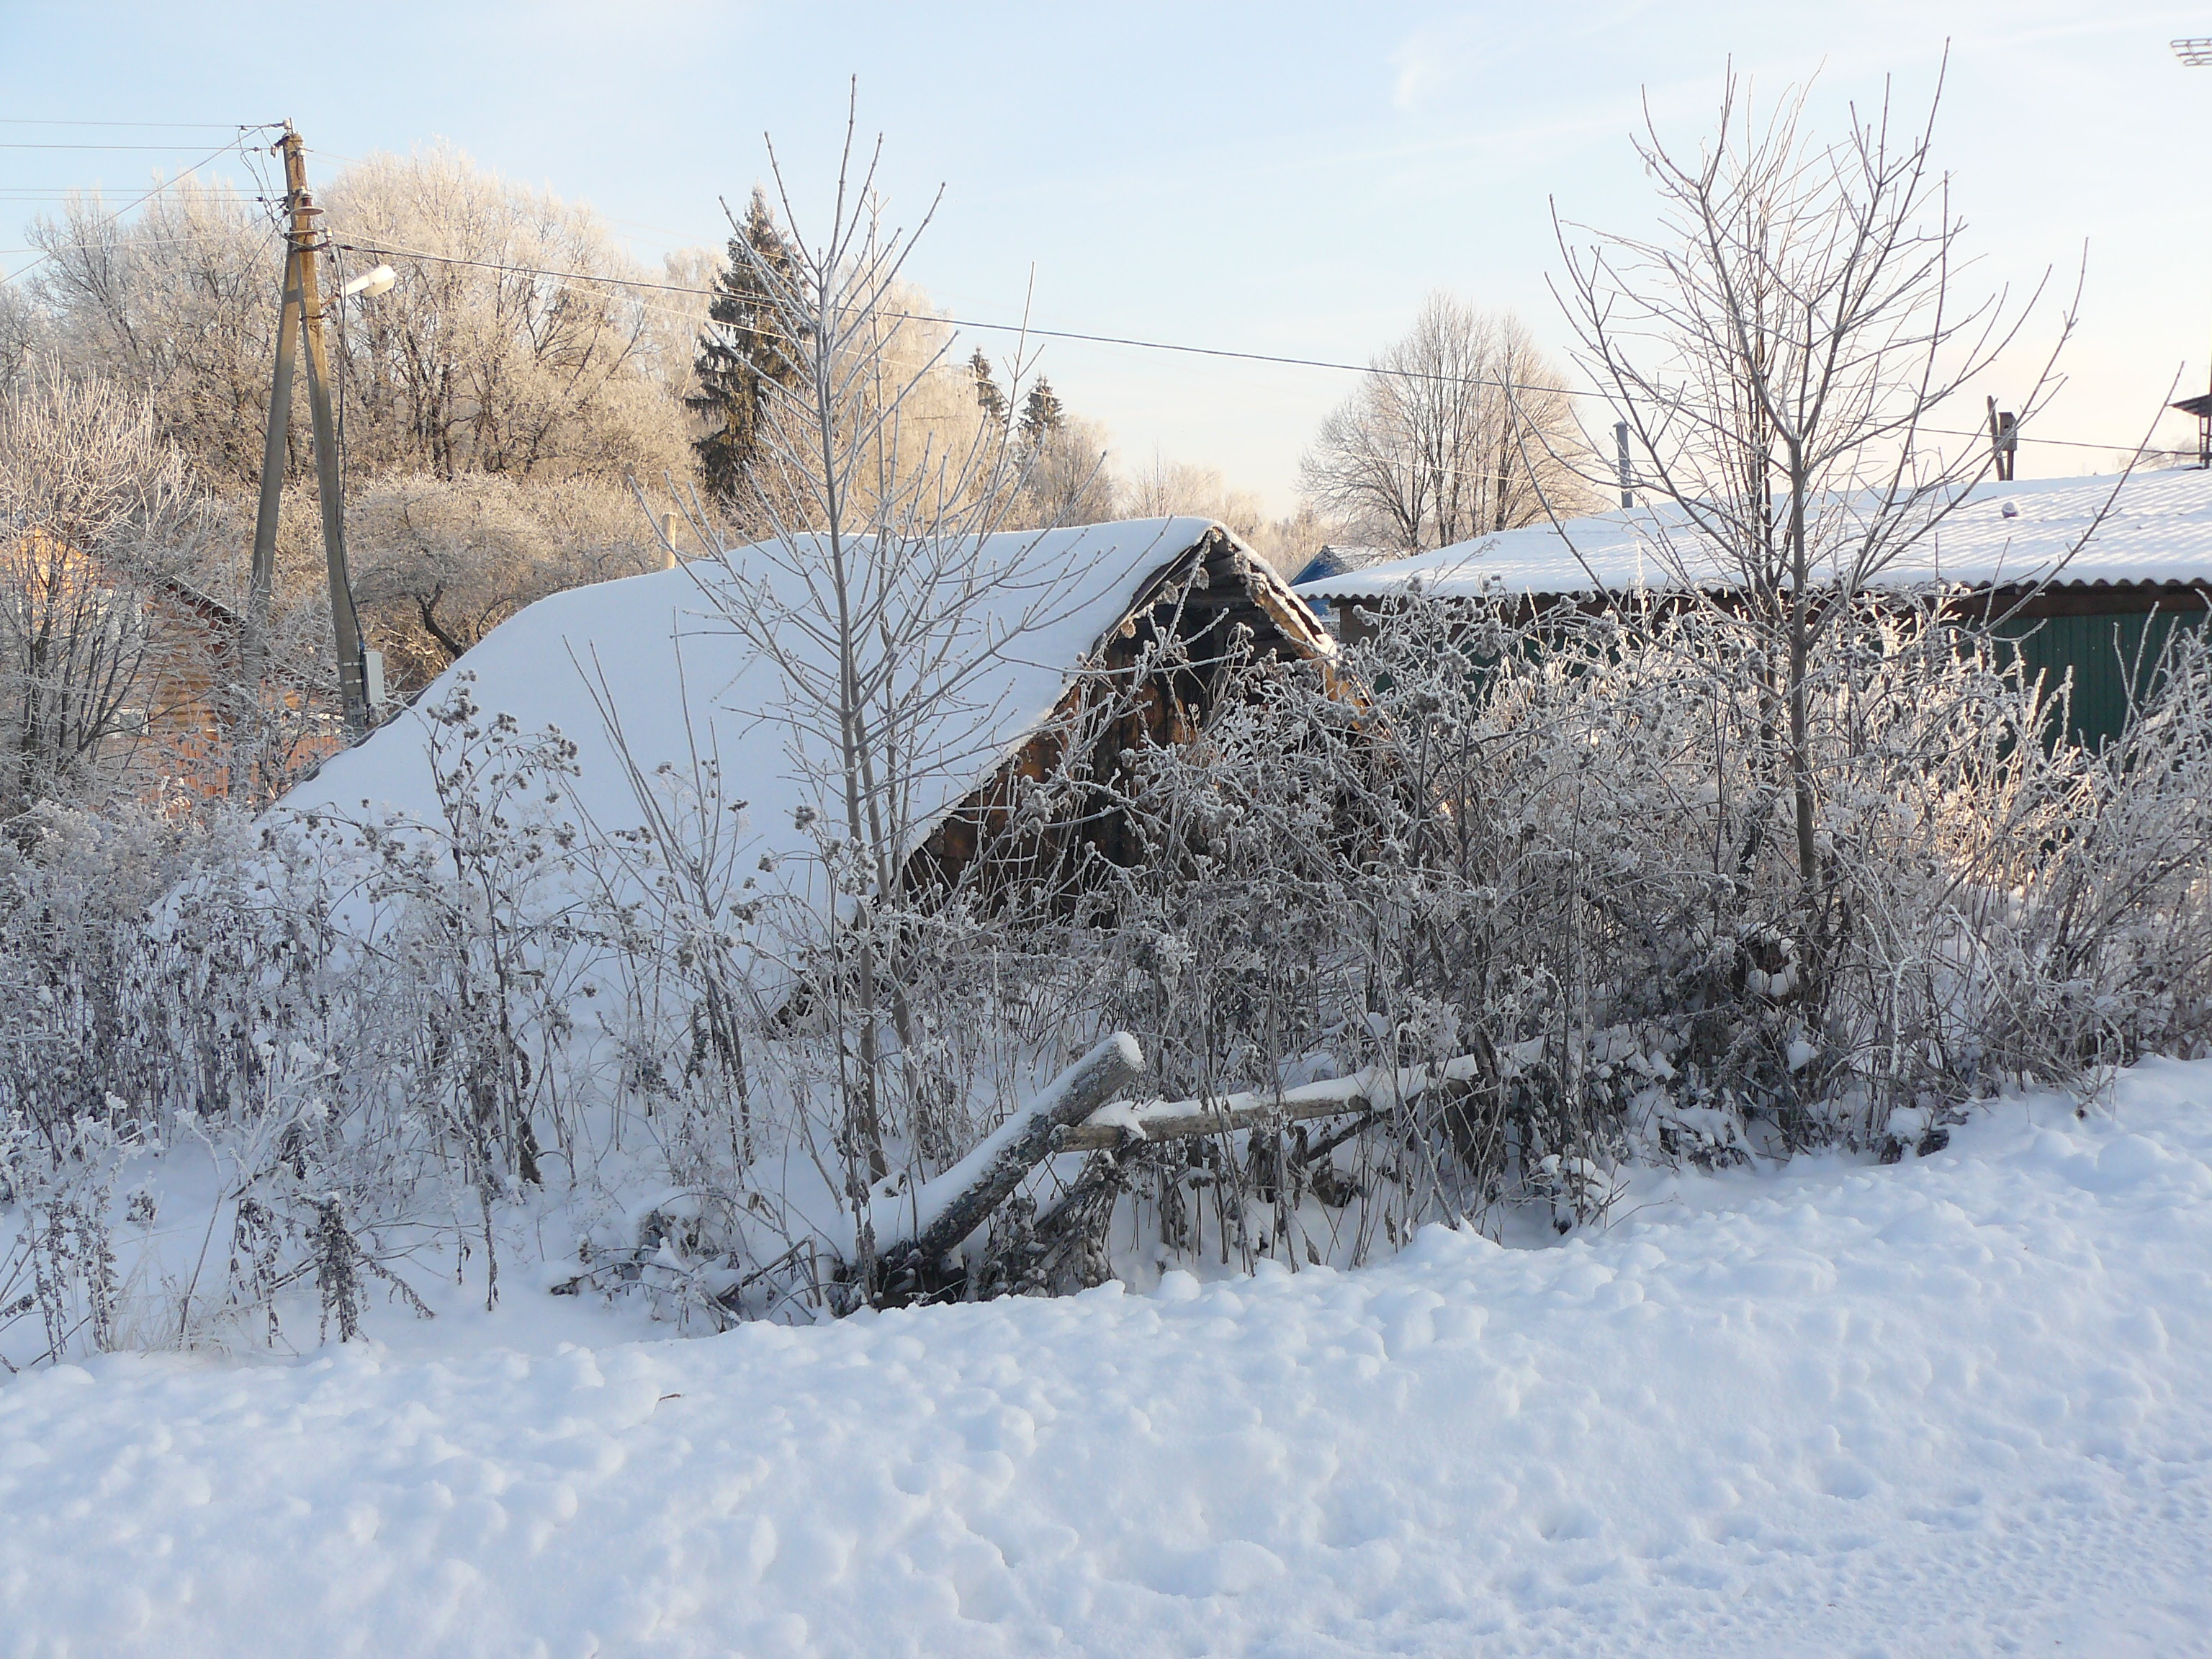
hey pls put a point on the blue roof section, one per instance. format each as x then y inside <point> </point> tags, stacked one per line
<point>1323,563</point>
<point>1333,561</point>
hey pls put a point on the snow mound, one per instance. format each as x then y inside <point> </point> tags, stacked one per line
<point>1955,1406</point>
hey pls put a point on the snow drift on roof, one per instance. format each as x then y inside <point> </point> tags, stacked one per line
<point>677,674</point>
<point>2159,531</point>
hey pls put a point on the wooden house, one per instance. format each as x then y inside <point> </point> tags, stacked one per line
<point>1213,606</point>
<point>117,670</point>
<point>657,689</point>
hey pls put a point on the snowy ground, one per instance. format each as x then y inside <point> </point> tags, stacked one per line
<point>1959,1406</point>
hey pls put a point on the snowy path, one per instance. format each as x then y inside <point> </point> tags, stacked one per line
<point>1962,1406</point>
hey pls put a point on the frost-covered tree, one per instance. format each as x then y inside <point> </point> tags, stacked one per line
<point>488,366</point>
<point>988,397</point>
<point>22,333</point>
<point>178,302</point>
<point>1167,486</point>
<point>1042,416</point>
<point>100,529</point>
<point>1065,478</point>
<point>1461,428</point>
<point>439,562</point>
<point>1779,349</point>
<point>483,366</point>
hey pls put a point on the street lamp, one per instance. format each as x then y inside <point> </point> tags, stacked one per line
<point>370,284</point>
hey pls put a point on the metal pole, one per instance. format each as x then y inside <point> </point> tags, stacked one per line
<point>1620,445</point>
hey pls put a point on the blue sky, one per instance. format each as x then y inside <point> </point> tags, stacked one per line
<point>1285,179</point>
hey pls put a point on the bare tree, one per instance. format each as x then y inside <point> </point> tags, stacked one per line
<point>1777,352</point>
<point>1460,430</point>
<point>97,525</point>
<point>179,301</point>
<point>477,361</point>
<point>879,479</point>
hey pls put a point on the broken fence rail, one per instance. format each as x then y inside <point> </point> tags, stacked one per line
<point>1374,1089</point>
<point>922,1227</point>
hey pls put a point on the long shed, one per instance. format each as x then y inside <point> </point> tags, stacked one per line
<point>2089,601</point>
<point>655,652</point>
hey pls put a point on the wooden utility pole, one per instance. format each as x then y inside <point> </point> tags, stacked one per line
<point>302,312</point>
<point>2004,441</point>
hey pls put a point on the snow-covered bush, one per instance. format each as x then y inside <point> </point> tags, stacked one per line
<point>360,1029</point>
<point>1560,844</point>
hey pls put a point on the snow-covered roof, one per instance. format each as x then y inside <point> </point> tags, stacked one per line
<point>2159,530</point>
<point>679,675</point>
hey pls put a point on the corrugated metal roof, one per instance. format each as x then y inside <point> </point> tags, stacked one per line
<point>2159,531</point>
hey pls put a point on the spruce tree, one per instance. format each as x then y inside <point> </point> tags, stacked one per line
<point>1041,414</point>
<point>740,353</point>
<point>988,395</point>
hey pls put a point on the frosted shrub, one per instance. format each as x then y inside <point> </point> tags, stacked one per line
<point>1561,845</point>
<point>358,1028</point>
<point>479,927</point>
<point>63,1269</point>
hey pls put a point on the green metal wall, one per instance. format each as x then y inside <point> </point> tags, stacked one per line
<point>2107,655</point>
<point>2103,654</point>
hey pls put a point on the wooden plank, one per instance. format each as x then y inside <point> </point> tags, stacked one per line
<point>1371,1091</point>
<point>1104,1137</point>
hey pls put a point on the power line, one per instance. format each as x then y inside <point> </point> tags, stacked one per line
<point>46,121</point>
<point>236,143</point>
<point>1111,339</point>
<point>1129,342</point>
<point>166,150</point>
<point>950,322</point>
<point>215,237</point>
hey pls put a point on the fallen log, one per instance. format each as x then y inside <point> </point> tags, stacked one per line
<point>916,1230</point>
<point>1367,1091</point>
<point>927,1225</point>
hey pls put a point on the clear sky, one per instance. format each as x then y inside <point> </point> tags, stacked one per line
<point>1285,178</point>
